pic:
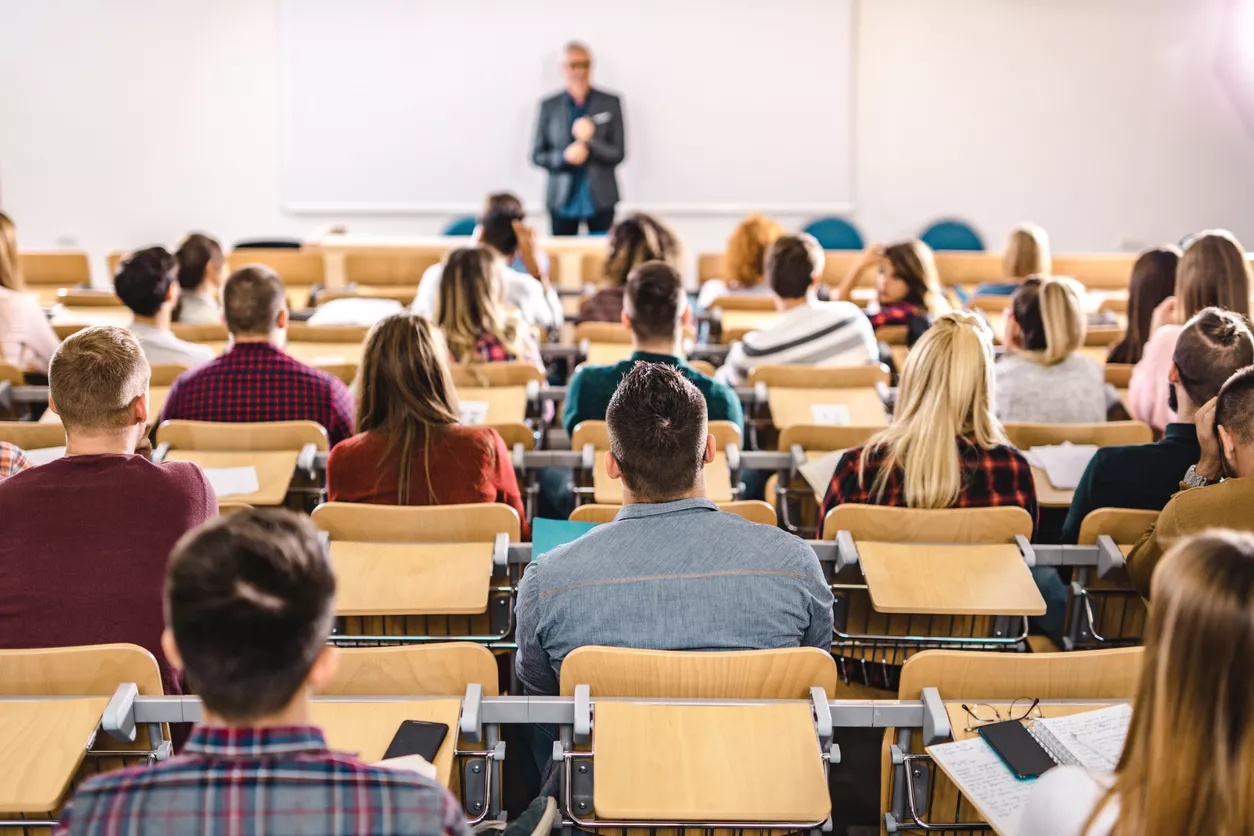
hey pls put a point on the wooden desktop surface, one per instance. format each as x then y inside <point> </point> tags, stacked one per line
<point>958,579</point>
<point>506,404</point>
<point>41,747</point>
<point>1046,494</point>
<point>411,578</point>
<point>608,354</point>
<point>367,728</point>
<point>274,471</point>
<point>794,406</point>
<point>607,491</point>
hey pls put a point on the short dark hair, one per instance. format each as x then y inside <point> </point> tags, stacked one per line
<point>251,300</point>
<point>792,262</point>
<point>503,202</point>
<point>496,229</point>
<point>1234,411</point>
<point>249,597</point>
<point>144,279</point>
<point>657,427</point>
<point>194,256</point>
<point>1211,347</point>
<point>654,300</point>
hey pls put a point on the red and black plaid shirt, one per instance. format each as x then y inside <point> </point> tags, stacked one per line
<point>259,382</point>
<point>1000,476</point>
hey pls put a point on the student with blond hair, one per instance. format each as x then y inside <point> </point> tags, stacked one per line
<point>907,286</point>
<point>1043,378</point>
<point>744,262</point>
<point>26,339</point>
<point>1026,253</point>
<point>1187,762</point>
<point>477,325</point>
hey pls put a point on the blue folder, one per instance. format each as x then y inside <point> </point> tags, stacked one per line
<point>546,535</point>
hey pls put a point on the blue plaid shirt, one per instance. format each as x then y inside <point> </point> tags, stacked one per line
<point>272,781</point>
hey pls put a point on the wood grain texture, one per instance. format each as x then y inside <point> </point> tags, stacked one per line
<point>411,578</point>
<point>753,510</point>
<point>42,745</point>
<point>471,523</point>
<point>949,579</point>
<point>365,729</point>
<point>274,471</point>
<point>916,525</point>
<point>1108,434</point>
<point>73,671</point>
<point>426,670</point>
<point>795,406</point>
<point>786,674</point>
<point>232,437</point>
<point>788,376</point>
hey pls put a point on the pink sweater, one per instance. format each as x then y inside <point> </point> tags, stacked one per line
<point>1147,391</point>
<point>26,339</point>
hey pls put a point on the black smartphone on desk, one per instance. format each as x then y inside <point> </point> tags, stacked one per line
<point>1016,746</point>
<point>416,737</point>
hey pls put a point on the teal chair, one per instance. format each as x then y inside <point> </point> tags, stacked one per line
<point>952,235</point>
<point>835,234</point>
<point>462,226</point>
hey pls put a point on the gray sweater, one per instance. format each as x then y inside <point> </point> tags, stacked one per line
<point>1071,392</point>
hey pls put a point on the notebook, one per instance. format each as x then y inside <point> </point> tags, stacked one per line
<point>1064,464</point>
<point>546,535</point>
<point>1092,739</point>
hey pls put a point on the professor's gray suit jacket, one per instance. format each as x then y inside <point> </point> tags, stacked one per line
<point>605,151</point>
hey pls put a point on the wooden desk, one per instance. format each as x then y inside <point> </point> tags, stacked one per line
<point>110,315</point>
<point>608,354</point>
<point>736,324</point>
<point>794,406</point>
<point>707,763</point>
<point>506,404</point>
<point>411,578</point>
<point>327,354</point>
<point>959,719</point>
<point>959,579</point>
<point>274,471</point>
<point>607,491</point>
<point>366,728</point>
<point>1047,496</point>
<point>42,745</point>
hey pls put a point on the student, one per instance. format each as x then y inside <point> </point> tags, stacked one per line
<point>671,572</point>
<point>632,241</point>
<point>12,460</point>
<point>907,286</point>
<point>744,262</point>
<point>249,603</point>
<point>1026,254</point>
<point>1042,378</point>
<point>1186,760</point>
<point>255,380</point>
<point>808,332</point>
<point>1153,281</point>
<point>202,269</point>
<point>506,237</point>
<point>147,283</point>
<point>1218,491</point>
<point>1212,346</point>
<point>26,339</point>
<point>410,447</point>
<point>656,311</point>
<point>86,537</point>
<point>1213,272</point>
<point>477,326</point>
<point>529,259</point>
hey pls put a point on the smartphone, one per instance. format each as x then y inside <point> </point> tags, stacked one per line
<point>415,737</point>
<point>1017,748</point>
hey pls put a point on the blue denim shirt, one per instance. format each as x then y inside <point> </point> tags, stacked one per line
<point>670,576</point>
<point>579,204</point>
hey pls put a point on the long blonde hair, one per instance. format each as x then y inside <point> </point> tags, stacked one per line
<point>1027,252</point>
<point>946,393</point>
<point>470,304</point>
<point>10,269</point>
<point>1187,766</point>
<point>1050,314</point>
<point>1213,272</point>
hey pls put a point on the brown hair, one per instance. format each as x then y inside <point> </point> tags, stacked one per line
<point>657,427</point>
<point>633,241</point>
<point>95,376</point>
<point>10,266</point>
<point>470,303</point>
<point>1213,272</point>
<point>505,203</point>
<point>143,280</point>
<point>1050,316</point>
<point>654,301</point>
<point>252,298</point>
<point>792,262</point>
<point>1153,280</point>
<point>746,250</point>
<point>1234,405</point>
<point>194,255</point>
<point>1188,763</point>
<point>912,262</point>
<point>1211,347</point>
<point>1027,252</point>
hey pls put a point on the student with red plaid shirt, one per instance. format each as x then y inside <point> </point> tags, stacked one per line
<point>249,602</point>
<point>907,286</point>
<point>12,459</point>
<point>255,380</point>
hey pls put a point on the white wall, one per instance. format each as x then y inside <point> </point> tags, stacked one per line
<point>129,122</point>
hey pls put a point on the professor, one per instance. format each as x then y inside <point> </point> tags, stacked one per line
<point>580,138</point>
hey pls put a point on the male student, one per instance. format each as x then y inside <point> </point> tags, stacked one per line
<point>808,332</point>
<point>655,310</point>
<point>1211,347</point>
<point>147,283</point>
<point>255,380</point>
<point>86,537</point>
<point>249,600</point>
<point>1217,492</point>
<point>671,572</point>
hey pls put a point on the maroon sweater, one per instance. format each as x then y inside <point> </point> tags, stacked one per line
<point>83,550</point>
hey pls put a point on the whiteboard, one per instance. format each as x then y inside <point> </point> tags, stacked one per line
<point>428,105</point>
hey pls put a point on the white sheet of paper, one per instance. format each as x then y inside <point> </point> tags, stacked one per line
<point>336,360</point>
<point>830,414</point>
<point>1064,464</point>
<point>360,310</point>
<point>411,763</point>
<point>818,472</point>
<point>474,413</point>
<point>43,455</point>
<point>986,781</point>
<point>232,481</point>
<point>1094,738</point>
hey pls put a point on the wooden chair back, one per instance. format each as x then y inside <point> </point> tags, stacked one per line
<point>824,438</point>
<point>513,434</point>
<point>391,267</point>
<point>419,671</point>
<point>90,670</point>
<point>787,674</point>
<point>30,435</point>
<point>893,334</point>
<point>969,268</point>
<point>225,508</point>
<point>301,332</point>
<point>200,333</point>
<point>1087,674</point>
<point>11,374</point>
<point>1124,525</point>
<point>740,301</point>
<point>70,268</point>
<point>299,268</point>
<point>1096,271</point>
<point>1112,609</point>
<point>82,297</point>
<point>820,377</point>
<point>1109,434</point>
<point>114,259</point>
<point>1103,335</point>
<point>472,523</point>
<point>753,510</point>
<point>495,374</point>
<point>597,434</point>
<point>592,268</point>
<point>602,332</point>
<point>704,366</point>
<point>710,266</point>
<point>1119,375</point>
<point>837,263</point>
<point>259,436</point>
<point>886,524</point>
<point>163,374</point>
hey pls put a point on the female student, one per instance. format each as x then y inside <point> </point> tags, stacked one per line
<point>633,241</point>
<point>477,326</point>
<point>410,448</point>
<point>907,285</point>
<point>1153,280</point>
<point>1212,272</point>
<point>744,262</point>
<point>202,270</point>
<point>26,339</point>
<point>1026,254</point>
<point>1187,762</point>
<point>1042,378</point>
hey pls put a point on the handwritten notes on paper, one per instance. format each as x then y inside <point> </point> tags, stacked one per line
<point>1094,739</point>
<point>984,779</point>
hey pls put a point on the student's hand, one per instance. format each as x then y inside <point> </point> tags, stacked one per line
<point>1166,313</point>
<point>1209,464</point>
<point>583,130</point>
<point>576,153</point>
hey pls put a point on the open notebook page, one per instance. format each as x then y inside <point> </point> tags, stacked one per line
<point>1093,738</point>
<point>985,780</point>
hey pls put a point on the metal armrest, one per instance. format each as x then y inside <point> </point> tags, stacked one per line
<point>1109,558</point>
<point>846,550</point>
<point>118,720</point>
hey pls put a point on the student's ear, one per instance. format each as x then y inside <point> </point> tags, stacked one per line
<point>1173,375</point>
<point>687,318</point>
<point>611,466</point>
<point>711,448</point>
<point>52,406</point>
<point>626,320</point>
<point>816,280</point>
<point>280,322</point>
<point>172,292</point>
<point>139,409</point>
<point>170,649</point>
<point>322,671</point>
<point>1228,444</point>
